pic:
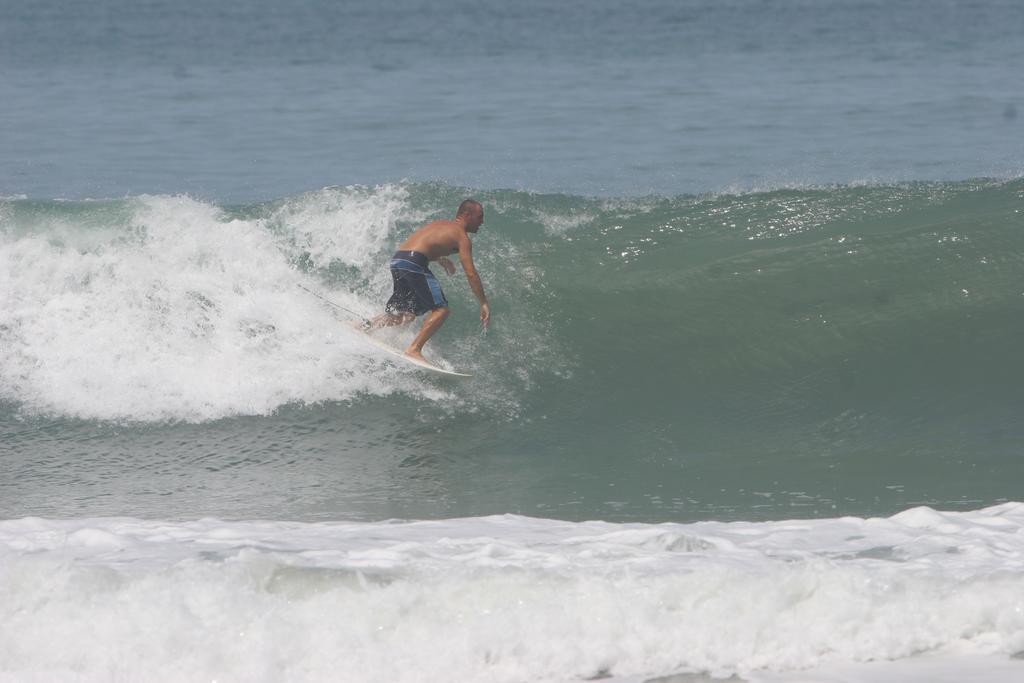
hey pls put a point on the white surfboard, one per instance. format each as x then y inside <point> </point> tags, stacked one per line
<point>384,346</point>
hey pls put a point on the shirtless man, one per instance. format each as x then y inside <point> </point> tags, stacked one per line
<point>417,291</point>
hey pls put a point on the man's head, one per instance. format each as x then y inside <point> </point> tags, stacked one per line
<point>471,212</point>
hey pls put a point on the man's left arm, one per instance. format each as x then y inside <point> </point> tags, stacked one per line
<point>447,264</point>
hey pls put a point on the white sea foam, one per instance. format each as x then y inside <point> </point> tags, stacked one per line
<point>509,598</point>
<point>169,308</point>
<point>559,224</point>
<point>350,225</point>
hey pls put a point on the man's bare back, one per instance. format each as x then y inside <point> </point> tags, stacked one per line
<point>437,239</point>
<point>416,289</point>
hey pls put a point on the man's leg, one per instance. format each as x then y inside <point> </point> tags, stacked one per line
<point>431,325</point>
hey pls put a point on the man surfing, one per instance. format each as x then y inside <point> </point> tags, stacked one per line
<point>417,291</point>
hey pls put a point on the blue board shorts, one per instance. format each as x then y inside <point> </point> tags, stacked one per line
<point>416,289</point>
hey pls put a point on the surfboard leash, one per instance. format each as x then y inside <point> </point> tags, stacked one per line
<point>324,298</point>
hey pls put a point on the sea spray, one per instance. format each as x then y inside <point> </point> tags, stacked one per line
<point>169,308</point>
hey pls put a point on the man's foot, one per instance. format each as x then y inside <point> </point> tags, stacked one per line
<point>414,353</point>
<point>361,325</point>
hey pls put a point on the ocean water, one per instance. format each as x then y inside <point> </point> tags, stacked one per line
<point>748,409</point>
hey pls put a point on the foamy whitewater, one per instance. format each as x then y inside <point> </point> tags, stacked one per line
<point>155,285</point>
<point>509,598</point>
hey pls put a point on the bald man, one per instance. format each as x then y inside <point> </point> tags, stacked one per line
<point>417,291</point>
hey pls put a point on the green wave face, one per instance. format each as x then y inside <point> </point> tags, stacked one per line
<point>795,349</point>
